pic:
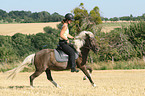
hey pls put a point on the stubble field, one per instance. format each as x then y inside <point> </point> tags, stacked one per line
<point>109,83</point>
<point>25,28</point>
<point>34,28</point>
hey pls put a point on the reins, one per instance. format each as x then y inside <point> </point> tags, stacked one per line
<point>89,46</point>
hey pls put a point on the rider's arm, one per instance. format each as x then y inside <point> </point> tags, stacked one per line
<point>69,36</point>
<point>64,28</point>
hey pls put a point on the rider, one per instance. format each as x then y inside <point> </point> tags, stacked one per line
<point>63,42</point>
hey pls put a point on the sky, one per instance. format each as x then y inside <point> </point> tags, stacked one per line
<point>108,8</point>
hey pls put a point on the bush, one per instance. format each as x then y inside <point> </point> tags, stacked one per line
<point>121,43</point>
<point>7,52</point>
<point>136,35</point>
<point>21,44</point>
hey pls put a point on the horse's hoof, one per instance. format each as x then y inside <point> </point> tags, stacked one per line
<point>85,78</point>
<point>94,85</point>
<point>31,86</point>
<point>58,86</point>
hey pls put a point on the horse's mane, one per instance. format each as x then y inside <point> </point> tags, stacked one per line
<point>80,39</point>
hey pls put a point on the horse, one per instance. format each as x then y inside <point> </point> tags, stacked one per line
<point>45,60</point>
<point>30,60</point>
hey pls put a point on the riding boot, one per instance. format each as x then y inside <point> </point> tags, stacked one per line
<point>73,69</point>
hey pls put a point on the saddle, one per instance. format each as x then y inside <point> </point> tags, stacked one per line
<point>60,56</point>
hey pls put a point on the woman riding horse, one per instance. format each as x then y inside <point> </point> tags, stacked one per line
<point>63,42</point>
<point>45,60</point>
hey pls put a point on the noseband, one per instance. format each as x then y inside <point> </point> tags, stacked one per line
<point>88,45</point>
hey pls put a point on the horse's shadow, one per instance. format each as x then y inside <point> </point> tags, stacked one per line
<point>26,87</point>
<point>18,87</point>
<point>14,87</point>
<point>23,87</point>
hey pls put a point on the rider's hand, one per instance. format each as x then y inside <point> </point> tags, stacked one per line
<point>67,41</point>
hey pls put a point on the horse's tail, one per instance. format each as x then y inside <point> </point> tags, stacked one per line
<point>28,60</point>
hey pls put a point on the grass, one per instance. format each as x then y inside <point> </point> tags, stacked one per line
<point>109,83</point>
<point>124,65</point>
<point>8,66</point>
<point>130,64</point>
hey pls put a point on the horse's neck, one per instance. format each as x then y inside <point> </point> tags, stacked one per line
<point>84,54</point>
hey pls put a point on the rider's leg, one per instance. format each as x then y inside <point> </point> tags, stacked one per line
<point>71,53</point>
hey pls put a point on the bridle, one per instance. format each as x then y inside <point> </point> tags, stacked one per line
<point>89,45</point>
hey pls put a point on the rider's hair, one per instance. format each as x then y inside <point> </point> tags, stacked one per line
<point>64,20</point>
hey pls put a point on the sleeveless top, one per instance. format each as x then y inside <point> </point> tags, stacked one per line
<point>65,33</point>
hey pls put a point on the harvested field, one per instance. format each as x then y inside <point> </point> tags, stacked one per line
<point>109,83</point>
<point>25,28</point>
<point>34,28</point>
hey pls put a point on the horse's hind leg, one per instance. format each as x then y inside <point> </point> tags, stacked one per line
<point>49,77</point>
<point>34,75</point>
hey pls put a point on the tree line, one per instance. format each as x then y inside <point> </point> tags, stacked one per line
<point>125,18</point>
<point>28,17</point>
<point>44,16</point>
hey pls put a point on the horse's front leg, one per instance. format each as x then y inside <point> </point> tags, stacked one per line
<point>84,69</point>
<point>90,71</point>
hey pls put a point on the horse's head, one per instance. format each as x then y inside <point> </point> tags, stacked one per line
<point>86,39</point>
<point>91,42</point>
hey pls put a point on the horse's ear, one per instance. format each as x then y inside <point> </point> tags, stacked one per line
<point>87,35</point>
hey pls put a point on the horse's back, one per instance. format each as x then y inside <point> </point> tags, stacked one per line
<point>44,51</point>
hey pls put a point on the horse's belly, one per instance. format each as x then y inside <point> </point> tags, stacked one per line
<point>57,65</point>
<point>60,66</point>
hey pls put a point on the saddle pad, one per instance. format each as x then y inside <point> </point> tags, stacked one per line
<point>60,56</point>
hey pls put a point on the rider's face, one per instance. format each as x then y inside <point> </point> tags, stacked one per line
<point>69,21</point>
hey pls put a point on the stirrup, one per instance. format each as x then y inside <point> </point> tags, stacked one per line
<point>74,70</point>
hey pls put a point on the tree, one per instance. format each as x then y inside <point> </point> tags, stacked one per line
<point>126,18</point>
<point>114,19</point>
<point>45,16</point>
<point>20,14</point>
<point>3,13</point>
<point>9,20</point>
<point>27,20</point>
<point>95,15</point>
<point>85,20</point>
<point>131,17</point>
<point>106,19</point>
<point>56,17</point>
<point>18,20</point>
